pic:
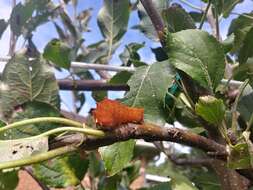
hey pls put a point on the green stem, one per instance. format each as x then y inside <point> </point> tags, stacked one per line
<point>37,158</point>
<point>217,23</point>
<point>86,131</point>
<point>42,120</point>
<point>204,15</point>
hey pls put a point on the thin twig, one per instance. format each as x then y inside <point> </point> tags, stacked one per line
<point>12,43</point>
<point>155,18</point>
<point>90,85</point>
<point>217,23</point>
<point>203,18</point>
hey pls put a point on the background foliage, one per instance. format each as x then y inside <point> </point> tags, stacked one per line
<point>191,84</point>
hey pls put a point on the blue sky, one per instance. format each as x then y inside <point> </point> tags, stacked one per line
<point>46,32</point>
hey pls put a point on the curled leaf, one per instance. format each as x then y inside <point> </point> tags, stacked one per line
<point>111,113</point>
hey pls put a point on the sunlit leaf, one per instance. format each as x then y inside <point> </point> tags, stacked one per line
<point>19,16</point>
<point>113,20</point>
<point>61,172</point>
<point>211,109</point>
<point>22,148</point>
<point>130,55</point>
<point>28,111</point>
<point>117,156</point>
<point>199,55</point>
<point>69,24</point>
<point>148,87</point>
<point>58,52</point>
<point>27,16</point>
<point>120,78</point>
<point>239,157</point>
<point>27,81</point>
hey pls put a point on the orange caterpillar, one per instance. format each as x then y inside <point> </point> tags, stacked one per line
<point>110,113</point>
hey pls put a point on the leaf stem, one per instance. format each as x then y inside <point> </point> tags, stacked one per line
<point>37,158</point>
<point>204,15</point>
<point>42,120</point>
<point>217,23</point>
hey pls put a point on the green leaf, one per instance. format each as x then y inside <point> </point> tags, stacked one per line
<point>69,24</point>
<point>177,19</point>
<point>240,22</point>
<point>228,6</point>
<point>60,31</point>
<point>79,100</point>
<point>199,55</point>
<point>244,71</point>
<point>130,55</point>
<point>109,183</point>
<point>196,16</point>
<point>8,180</point>
<point>245,104</point>
<point>31,110</point>
<point>211,109</point>
<point>148,87</point>
<point>27,16</point>
<point>160,54</point>
<point>2,123</point>
<point>96,166</point>
<point>3,26</point>
<point>99,95</point>
<point>27,81</point>
<point>246,136</point>
<point>97,52</point>
<point>22,148</point>
<point>246,51</point>
<point>84,18</point>
<point>240,27</point>
<point>239,157</point>
<point>178,180</point>
<point>61,172</point>
<point>58,52</point>
<point>79,164</point>
<point>19,16</point>
<point>145,25</point>
<point>117,156</point>
<point>120,78</point>
<point>228,43</point>
<point>113,19</point>
<point>160,186</point>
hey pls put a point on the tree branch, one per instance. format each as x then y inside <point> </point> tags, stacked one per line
<point>148,132</point>
<point>155,18</point>
<point>192,161</point>
<point>12,43</point>
<point>91,85</point>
